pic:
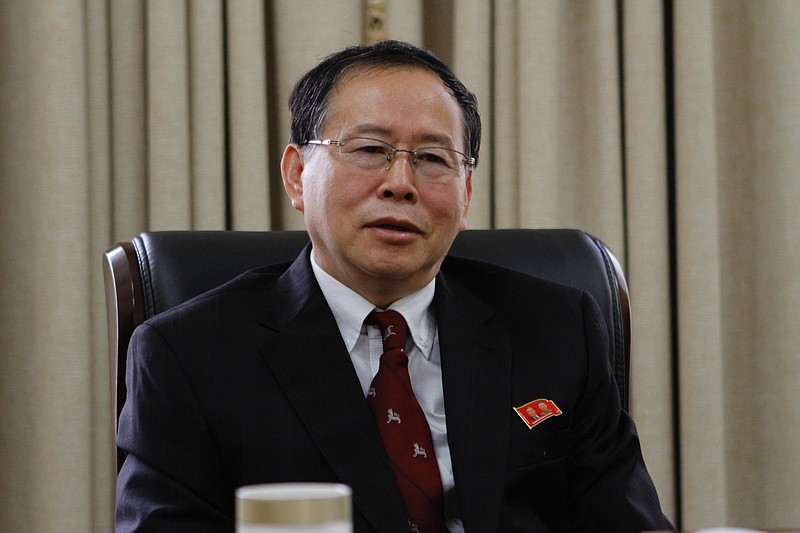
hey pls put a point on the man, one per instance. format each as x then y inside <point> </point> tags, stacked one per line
<point>279,375</point>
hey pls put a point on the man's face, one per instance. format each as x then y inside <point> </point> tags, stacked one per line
<point>383,233</point>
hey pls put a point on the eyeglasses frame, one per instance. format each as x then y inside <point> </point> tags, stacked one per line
<point>469,162</point>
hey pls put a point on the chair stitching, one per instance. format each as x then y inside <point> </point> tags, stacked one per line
<point>619,340</point>
<point>147,282</point>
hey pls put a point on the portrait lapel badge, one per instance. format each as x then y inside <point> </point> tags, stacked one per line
<point>537,411</point>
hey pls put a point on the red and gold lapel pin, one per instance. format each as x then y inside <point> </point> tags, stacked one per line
<point>537,411</point>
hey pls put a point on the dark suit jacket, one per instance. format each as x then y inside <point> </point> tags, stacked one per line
<point>251,383</point>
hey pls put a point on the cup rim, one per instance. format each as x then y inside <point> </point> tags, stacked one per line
<point>295,504</point>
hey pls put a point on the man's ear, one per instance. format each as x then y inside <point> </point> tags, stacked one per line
<point>467,201</point>
<point>292,172</point>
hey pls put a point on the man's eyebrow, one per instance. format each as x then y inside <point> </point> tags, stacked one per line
<point>370,129</point>
<point>437,139</point>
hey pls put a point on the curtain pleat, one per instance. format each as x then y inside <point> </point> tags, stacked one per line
<point>737,129</point>
<point>472,63</point>
<point>46,394</point>
<point>99,228</point>
<point>560,144</point>
<point>504,107</point>
<point>404,20</point>
<point>133,115</point>
<point>207,114</point>
<point>648,237</point>
<point>700,342</point>
<point>766,359</point>
<point>539,192</point>
<point>247,108</point>
<point>128,118</point>
<point>168,144</point>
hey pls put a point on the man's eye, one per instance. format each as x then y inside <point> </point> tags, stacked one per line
<point>371,149</point>
<point>432,157</point>
<point>429,157</point>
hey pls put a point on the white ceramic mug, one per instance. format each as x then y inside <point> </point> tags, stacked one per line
<point>294,508</point>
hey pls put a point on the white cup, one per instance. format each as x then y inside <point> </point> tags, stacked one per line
<point>294,508</point>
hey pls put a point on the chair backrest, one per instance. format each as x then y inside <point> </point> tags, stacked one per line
<point>159,270</point>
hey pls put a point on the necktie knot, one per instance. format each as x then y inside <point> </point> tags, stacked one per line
<point>393,328</point>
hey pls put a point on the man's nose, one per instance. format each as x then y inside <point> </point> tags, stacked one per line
<point>399,180</point>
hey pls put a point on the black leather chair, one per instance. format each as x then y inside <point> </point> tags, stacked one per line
<point>159,270</point>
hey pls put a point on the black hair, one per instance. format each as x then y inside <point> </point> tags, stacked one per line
<point>309,99</point>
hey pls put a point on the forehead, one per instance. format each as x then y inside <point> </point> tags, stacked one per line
<point>402,100</point>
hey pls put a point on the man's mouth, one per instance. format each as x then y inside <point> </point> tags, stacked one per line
<point>394,227</point>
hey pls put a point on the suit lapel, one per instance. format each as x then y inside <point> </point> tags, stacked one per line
<point>308,357</point>
<point>476,370</point>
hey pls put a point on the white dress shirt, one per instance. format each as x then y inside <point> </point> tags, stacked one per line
<point>365,346</point>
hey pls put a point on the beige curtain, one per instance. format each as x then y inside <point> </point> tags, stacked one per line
<point>737,91</point>
<point>668,128</point>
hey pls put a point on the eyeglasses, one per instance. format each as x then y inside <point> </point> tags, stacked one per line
<point>432,162</point>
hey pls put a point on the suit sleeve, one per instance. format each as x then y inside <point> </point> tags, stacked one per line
<point>611,487</point>
<point>170,480</point>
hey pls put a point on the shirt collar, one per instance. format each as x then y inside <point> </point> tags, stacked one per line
<point>350,309</point>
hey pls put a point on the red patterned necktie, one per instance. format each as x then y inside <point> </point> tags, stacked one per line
<point>404,429</point>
